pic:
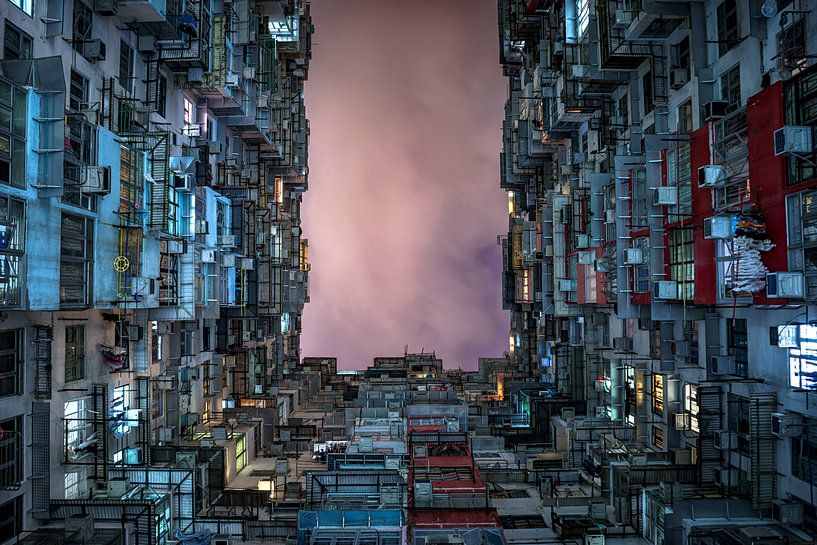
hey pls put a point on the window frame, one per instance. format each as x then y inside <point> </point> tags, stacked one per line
<point>16,375</point>
<point>127,64</point>
<point>11,447</point>
<point>23,49</point>
<point>657,394</point>
<point>728,26</point>
<point>75,347</point>
<point>14,519</point>
<point>81,12</point>
<point>26,6</point>
<point>14,106</point>
<point>86,260</point>
<point>737,335</point>
<point>11,257</point>
<point>729,87</point>
<point>682,261</point>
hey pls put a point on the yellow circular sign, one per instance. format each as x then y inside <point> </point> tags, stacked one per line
<point>121,263</point>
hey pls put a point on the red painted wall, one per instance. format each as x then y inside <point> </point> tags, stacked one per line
<point>705,270</point>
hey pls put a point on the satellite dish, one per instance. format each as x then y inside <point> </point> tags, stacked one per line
<point>769,8</point>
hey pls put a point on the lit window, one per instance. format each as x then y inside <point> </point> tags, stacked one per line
<point>26,6</point>
<point>119,414</point>
<point>657,437</point>
<point>191,128</point>
<point>682,262</point>
<point>658,394</point>
<point>79,439</point>
<point>76,484</point>
<point>691,406</point>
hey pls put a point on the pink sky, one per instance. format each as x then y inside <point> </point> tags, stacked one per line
<point>405,100</point>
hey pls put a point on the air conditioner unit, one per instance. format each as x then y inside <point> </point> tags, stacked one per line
<point>228,361</point>
<point>622,18</point>
<point>175,247</point>
<point>718,227</point>
<point>183,183</point>
<point>246,336</point>
<point>567,285</point>
<point>249,72</point>
<point>582,240</point>
<point>711,176</point>
<point>228,241</point>
<point>95,180</point>
<point>135,333</point>
<point>623,344</point>
<point>231,80</point>
<point>579,70</point>
<point>246,264</point>
<point>725,440</point>
<point>665,289</point>
<point>680,348</point>
<point>262,101</point>
<point>726,478</point>
<point>787,425</point>
<point>195,75</point>
<point>568,413</point>
<point>118,487</point>
<point>586,257</point>
<point>665,196</point>
<point>633,256</point>
<point>682,421</point>
<point>208,256</point>
<point>94,50</point>
<point>167,434</point>
<point>202,227</point>
<point>789,285</point>
<point>792,139</point>
<point>722,365</point>
<point>558,48</point>
<point>214,147</point>
<point>601,412</point>
<point>678,77</point>
<point>191,130</point>
<point>609,216</point>
<point>787,512</point>
<point>715,109</point>
<point>228,260</point>
<point>231,161</point>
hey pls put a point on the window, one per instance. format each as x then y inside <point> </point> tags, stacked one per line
<point>657,437</point>
<point>16,43</point>
<point>205,379</point>
<point>680,54</point>
<point>691,406</point>
<point>648,92</point>
<point>12,362</point>
<point>126,78</point>
<point>679,174</point>
<point>156,343</point>
<point>728,31</point>
<point>240,452</point>
<point>74,353</point>
<point>76,260</point>
<point>161,96</point>
<point>77,429</point>
<point>685,117</point>
<point>800,104</point>
<point>78,92</point>
<point>801,212</point>
<point>168,276</point>
<point>730,87</point>
<point>12,239</point>
<point>24,5</point>
<point>738,345</point>
<point>658,394</point>
<point>76,484</point>
<point>739,422</point>
<point>639,191</point>
<point>682,262</point>
<point>804,452</point>
<point>13,122</point>
<point>11,453</point>
<point>120,406</point>
<point>11,516</point>
<point>191,128</point>
<point>83,23</point>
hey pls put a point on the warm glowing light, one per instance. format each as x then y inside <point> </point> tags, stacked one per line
<point>511,203</point>
<point>269,486</point>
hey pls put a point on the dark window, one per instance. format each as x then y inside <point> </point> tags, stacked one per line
<point>78,96</point>
<point>16,43</point>
<point>11,517</point>
<point>738,345</point>
<point>739,422</point>
<point>76,260</point>
<point>648,92</point>
<point>685,117</point>
<point>804,452</point>
<point>161,96</point>
<point>13,122</point>
<point>74,353</point>
<point>730,87</point>
<point>728,31</point>
<point>125,65</point>
<point>11,456</point>
<point>12,363</point>
<point>83,22</point>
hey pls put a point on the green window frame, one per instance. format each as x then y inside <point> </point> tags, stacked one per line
<point>74,353</point>
<point>682,262</point>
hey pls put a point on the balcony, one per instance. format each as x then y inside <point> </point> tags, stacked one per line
<point>157,18</point>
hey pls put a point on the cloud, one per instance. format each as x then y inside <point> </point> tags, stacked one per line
<point>405,101</point>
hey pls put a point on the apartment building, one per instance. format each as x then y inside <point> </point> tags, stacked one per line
<point>153,157</point>
<point>659,163</point>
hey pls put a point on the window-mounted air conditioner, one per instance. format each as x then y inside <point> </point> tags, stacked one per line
<point>682,421</point>
<point>228,260</point>
<point>609,216</point>
<point>793,139</point>
<point>176,246</point>
<point>665,289</point>
<point>246,336</point>
<point>726,478</point>
<point>183,183</point>
<point>586,257</point>
<point>246,264</point>
<point>623,344</point>
<point>231,80</point>
<point>633,256</point>
<point>208,256</point>
<point>214,147</point>
<point>228,241</point>
<point>722,365</point>
<point>567,285</point>
<point>622,18</point>
<point>118,487</point>
<point>195,75</point>
<point>790,285</point>
<point>249,72</point>
<point>582,240</point>
<point>94,50</point>
<point>718,227</point>
<point>95,180</point>
<point>787,512</point>
<point>678,77</point>
<point>725,440</point>
<point>665,196</point>
<point>787,425</point>
<point>710,176</point>
<point>715,109</point>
